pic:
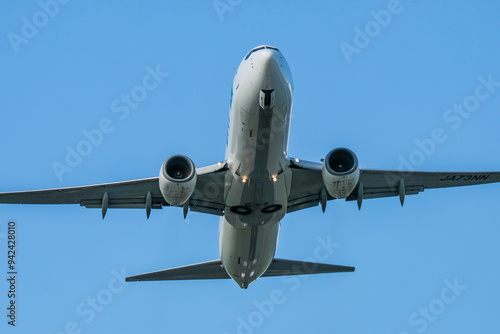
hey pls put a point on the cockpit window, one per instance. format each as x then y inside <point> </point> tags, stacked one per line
<point>261,48</point>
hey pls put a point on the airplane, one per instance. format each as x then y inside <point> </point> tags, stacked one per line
<point>256,184</point>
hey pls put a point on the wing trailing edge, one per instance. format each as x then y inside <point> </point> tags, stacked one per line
<point>215,270</point>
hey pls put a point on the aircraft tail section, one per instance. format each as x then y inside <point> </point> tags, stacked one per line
<point>215,270</point>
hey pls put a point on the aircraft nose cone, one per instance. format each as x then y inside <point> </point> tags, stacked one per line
<point>267,64</point>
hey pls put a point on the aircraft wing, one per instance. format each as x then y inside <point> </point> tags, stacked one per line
<point>307,183</point>
<point>141,193</point>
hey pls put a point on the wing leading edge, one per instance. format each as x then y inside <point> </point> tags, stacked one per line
<point>215,270</point>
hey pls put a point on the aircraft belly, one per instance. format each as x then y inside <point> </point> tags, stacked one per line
<point>259,176</point>
<point>247,252</point>
<point>258,182</point>
<point>264,202</point>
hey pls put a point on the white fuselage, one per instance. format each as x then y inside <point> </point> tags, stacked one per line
<point>257,187</point>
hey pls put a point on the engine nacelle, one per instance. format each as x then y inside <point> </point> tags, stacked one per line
<point>177,179</point>
<point>340,172</point>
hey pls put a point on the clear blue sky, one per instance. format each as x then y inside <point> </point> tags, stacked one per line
<point>391,89</point>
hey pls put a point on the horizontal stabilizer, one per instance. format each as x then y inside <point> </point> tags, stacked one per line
<point>281,267</point>
<point>215,270</point>
<point>204,270</point>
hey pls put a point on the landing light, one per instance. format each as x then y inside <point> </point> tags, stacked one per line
<point>275,178</point>
<point>244,179</point>
<point>296,160</point>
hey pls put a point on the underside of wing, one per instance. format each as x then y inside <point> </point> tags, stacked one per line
<point>128,194</point>
<point>307,183</point>
<point>208,197</point>
<point>385,183</point>
<point>136,194</point>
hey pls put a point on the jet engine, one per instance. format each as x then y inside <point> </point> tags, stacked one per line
<point>340,172</point>
<point>177,179</point>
